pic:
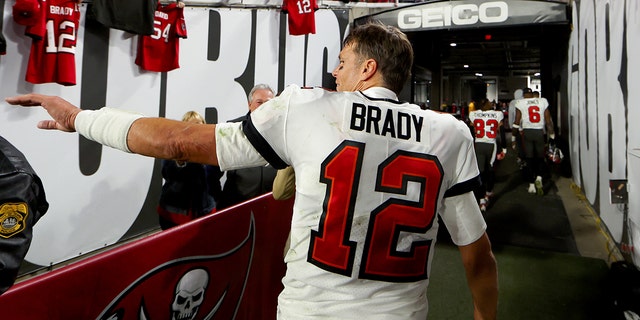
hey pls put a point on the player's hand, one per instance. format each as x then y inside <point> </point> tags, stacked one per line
<point>62,112</point>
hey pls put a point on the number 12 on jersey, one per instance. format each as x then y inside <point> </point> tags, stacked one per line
<point>66,41</point>
<point>330,247</point>
<point>304,6</point>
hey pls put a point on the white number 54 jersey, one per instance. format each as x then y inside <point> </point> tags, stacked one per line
<point>371,175</point>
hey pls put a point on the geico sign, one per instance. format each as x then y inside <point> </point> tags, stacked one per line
<point>462,14</point>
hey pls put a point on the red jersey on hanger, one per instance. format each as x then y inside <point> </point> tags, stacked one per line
<point>301,16</point>
<point>159,52</point>
<point>52,57</point>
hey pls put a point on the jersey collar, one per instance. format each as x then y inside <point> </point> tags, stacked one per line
<point>380,93</point>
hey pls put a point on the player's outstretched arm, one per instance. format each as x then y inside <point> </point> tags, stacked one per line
<point>172,139</point>
<point>482,277</point>
<point>153,137</point>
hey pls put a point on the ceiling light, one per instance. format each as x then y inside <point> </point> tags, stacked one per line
<point>466,66</point>
<point>453,44</point>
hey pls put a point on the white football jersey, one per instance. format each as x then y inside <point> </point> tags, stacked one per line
<point>532,111</point>
<point>371,175</point>
<point>486,125</point>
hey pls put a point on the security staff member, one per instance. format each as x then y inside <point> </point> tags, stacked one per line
<point>22,204</point>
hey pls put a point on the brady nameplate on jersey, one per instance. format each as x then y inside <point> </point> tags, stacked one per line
<point>394,124</point>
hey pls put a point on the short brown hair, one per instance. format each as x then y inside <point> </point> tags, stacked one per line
<point>388,46</point>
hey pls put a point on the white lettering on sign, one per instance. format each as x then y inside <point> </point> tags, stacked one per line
<point>463,14</point>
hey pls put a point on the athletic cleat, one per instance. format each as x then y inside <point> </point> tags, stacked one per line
<point>538,185</point>
<point>532,188</point>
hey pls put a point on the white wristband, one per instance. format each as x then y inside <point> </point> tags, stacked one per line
<point>552,136</point>
<point>107,126</point>
<point>513,139</point>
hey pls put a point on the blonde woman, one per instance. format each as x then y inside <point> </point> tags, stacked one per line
<point>187,192</point>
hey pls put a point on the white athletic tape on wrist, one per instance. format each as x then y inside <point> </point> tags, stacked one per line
<point>107,126</point>
<point>552,136</point>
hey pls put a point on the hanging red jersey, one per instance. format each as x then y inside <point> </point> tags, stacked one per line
<point>159,52</point>
<point>301,16</point>
<point>53,48</point>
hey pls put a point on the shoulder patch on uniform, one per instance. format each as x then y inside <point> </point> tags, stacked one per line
<point>13,217</point>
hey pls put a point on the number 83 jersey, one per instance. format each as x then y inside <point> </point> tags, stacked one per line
<point>52,57</point>
<point>486,124</point>
<point>371,176</point>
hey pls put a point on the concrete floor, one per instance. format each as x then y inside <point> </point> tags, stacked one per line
<point>591,236</point>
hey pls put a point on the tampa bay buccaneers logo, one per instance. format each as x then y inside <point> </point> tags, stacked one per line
<point>189,288</point>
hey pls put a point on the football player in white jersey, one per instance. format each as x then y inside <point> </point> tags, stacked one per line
<point>372,176</point>
<point>516,143</point>
<point>487,124</point>
<point>532,118</point>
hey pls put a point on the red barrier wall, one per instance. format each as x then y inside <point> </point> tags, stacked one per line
<point>227,265</point>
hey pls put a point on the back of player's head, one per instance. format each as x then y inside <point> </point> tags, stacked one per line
<point>388,46</point>
<point>486,105</point>
<point>527,93</point>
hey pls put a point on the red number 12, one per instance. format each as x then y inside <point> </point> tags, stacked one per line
<point>330,247</point>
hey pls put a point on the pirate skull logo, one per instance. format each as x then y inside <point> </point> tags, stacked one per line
<point>189,294</point>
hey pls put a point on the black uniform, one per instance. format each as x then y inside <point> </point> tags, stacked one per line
<point>22,203</point>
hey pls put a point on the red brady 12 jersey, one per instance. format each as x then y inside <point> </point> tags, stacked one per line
<point>160,52</point>
<point>486,124</point>
<point>371,177</point>
<point>301,16</point>
<point>53,48</point>
<point>532,111</point>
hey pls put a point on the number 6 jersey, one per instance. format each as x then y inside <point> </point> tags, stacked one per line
<point>532,112</point>
<point>371,177</point>
<point>53,48</point>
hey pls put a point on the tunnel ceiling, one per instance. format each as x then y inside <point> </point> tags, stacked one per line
<point>514,51</point>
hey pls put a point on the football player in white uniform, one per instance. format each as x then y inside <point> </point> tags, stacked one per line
<point>372,175</point>
<point>516,142</point>
<point>487,124</point>
<point>532,118</point>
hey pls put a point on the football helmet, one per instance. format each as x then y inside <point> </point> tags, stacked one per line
<point>554,154</point>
